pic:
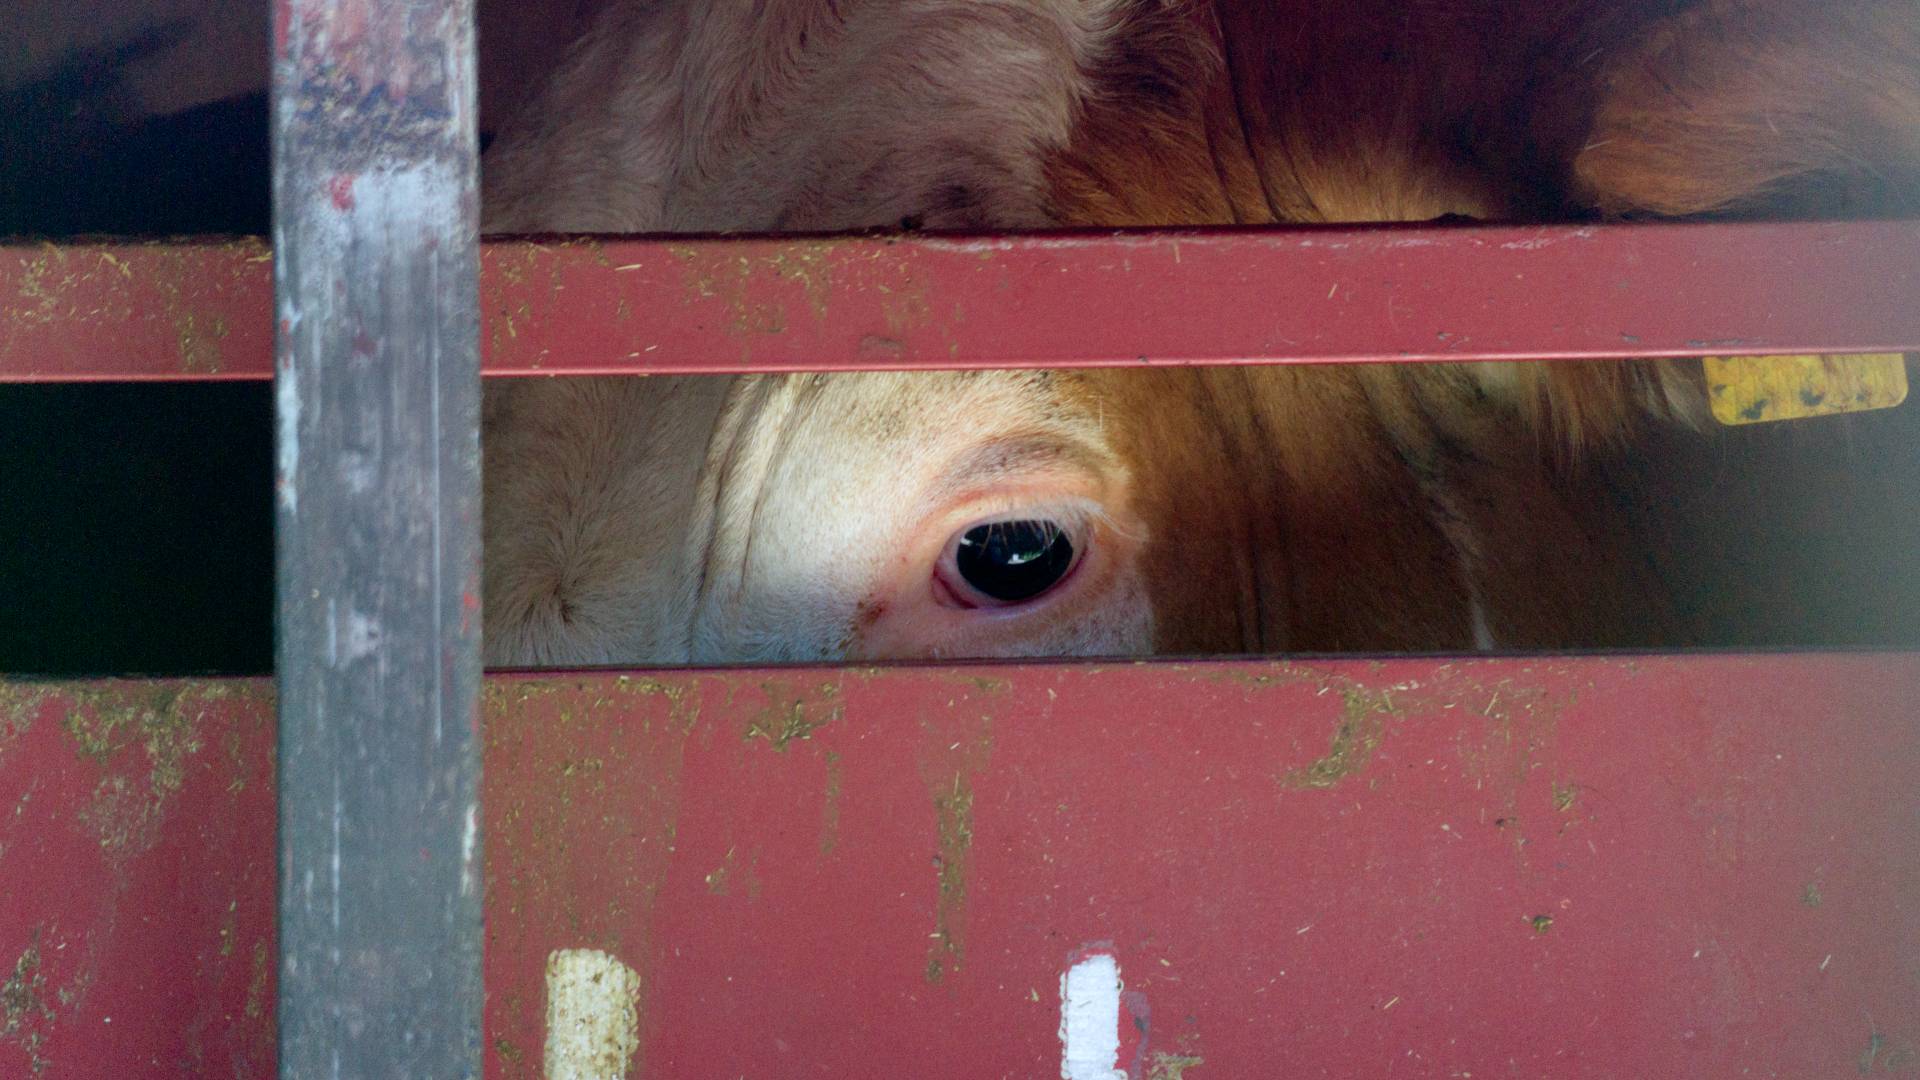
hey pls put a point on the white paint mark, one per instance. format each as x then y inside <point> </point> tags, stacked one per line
<point>339,812</point>
<point>357,472</point>
<point>593,1015</point>
<point>469,842</point>
<point>358,638</point>
<point>1824,963</point>
<point>286,387</point>
<point>1090,1019</point>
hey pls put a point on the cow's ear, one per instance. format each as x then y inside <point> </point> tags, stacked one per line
<point>1760,108</point>
<point>1732,108</point>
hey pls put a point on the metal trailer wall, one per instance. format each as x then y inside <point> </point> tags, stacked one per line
<point>1554,866</point>
<point>1547,867</point>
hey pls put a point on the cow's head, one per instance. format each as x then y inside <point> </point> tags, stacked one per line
<point>1009,513</point>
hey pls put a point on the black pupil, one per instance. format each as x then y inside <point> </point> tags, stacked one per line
<point>1014,560</point>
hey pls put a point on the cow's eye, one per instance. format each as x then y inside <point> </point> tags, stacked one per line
<point>1006,562</point>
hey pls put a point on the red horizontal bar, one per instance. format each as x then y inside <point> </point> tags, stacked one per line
<point>1567,867</point>
<point>200,310</point>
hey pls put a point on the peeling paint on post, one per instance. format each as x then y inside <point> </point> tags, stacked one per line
<point>377,364</point>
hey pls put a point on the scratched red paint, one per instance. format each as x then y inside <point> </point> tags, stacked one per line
<point>340,190</point>
<point>136,861</point>
<point>1172,810</point>
<point>1591,867</point>
<point>1195,296</point>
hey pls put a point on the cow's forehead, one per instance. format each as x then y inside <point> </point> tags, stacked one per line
<point>920,420</point>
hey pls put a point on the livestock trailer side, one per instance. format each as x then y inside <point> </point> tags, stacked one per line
<point>1603,865</point>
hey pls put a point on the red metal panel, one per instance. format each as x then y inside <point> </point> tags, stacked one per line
<point>1563,867</point>
<point>136,310</point>
<point>120,310</point>
<point>136,879</point>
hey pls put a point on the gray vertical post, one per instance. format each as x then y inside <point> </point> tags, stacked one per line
<point>377,378</point>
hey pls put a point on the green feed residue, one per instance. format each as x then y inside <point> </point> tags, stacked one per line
<point>1172,1066</point>
<point>24,1013</point>
<point>124,813</point>
<point>256,1006</point>
<point>1363,719</point>
<point>141,738</point>
<point>791,716</point>
<point>717,880</point>
<point>1563,797</point>
<point>959,746</point>
<point>199,342</point>
<point>954,811</point>
<point>830,810</point>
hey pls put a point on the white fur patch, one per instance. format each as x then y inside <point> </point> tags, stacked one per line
<point>801,115</point>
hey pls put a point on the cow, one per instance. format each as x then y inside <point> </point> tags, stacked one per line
<point>875,515</point>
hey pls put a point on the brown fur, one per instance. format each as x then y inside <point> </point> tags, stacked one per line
<point>1243,112</point>
<point>1738,107</point>
<point>1316,555</point>
<point>1256,112</point>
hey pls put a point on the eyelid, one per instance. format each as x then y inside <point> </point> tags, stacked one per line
<point>1078,516</point>
<point>1010,460</point>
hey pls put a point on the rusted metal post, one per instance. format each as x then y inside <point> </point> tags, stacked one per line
<point>377,371</point>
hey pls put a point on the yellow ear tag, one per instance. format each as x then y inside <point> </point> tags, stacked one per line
<point>1756,389</point>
